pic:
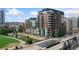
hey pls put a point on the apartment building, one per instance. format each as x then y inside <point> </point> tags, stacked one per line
<point>49,21</point>
<point>31,25</point>
<point>72,24</point>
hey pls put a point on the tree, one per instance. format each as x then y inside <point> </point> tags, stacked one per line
<point>59,33</point>
<point>29,40</point>
<point>4,31</point>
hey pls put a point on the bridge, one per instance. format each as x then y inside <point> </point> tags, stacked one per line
<point>68,43</point>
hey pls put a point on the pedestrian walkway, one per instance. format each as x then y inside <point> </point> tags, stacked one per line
<point>32,36</point>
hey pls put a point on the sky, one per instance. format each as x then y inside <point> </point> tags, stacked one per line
<point>20,14</point>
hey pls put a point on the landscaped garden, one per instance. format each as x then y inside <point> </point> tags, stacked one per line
<point>28,39</point>
<point>8,41</point>
<point>5,41</point>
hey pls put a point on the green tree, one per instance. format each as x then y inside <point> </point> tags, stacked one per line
<point>4,31</point>
<point>29,40</point>
<point>59,33</point>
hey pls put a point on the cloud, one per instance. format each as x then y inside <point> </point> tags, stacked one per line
<point>7,18</point>
<point>21,17</point>
<point>72,12</point>
<point>14,12</point>
<point>34,13</point>
<point>68,12</point>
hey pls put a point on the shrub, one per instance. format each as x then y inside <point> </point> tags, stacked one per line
<point>59,33</point>
<point>29,40</point>
<point>28,37</point>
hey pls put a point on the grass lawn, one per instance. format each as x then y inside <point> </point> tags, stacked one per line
<point>5,41</point>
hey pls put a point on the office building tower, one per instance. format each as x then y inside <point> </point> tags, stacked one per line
<point>2,18</point>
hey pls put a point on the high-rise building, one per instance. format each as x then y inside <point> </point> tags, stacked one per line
<point>2,17</point>
<point>78,22</point>
<point>72,24</point>
<point>49,21</point>
<point>69,25</point>
<point>28,24</point>
<point>31,25</point>
<point>33,22</point>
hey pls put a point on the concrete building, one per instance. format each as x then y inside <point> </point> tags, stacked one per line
<point>76,24</point>
<point>31,25</point>
<point>33,22</point>
<point>2,17</point>
<point>69,26</point>
<point>13,25</point>
<point>28,24</point>
<point>49,21</point>
<point>72,24</point>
